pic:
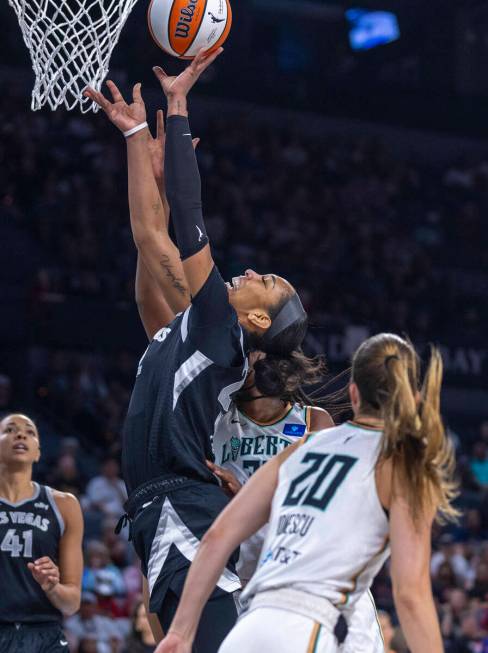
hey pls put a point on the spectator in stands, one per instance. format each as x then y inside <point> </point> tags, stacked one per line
<point>133,579</point>
<point>479,464</point>
<point>141,639</point>
<point>471,638</point>
<point>66,476</point>
<point>89,625</point>
<point>451,553</point>
<point>452,613</point>
<point>117,545</point>
<point>443,580</point>
<point>470,528</point>
<point>99,570</point>
<point>106,492</point>
<point>480,588</point>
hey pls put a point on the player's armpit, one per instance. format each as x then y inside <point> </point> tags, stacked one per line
<point>154,310</point>
<point>162,261</point>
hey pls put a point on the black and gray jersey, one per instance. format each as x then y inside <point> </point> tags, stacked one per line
<point>185,380</point>
<point>29,530</point>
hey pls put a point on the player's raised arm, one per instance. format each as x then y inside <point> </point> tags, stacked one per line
<point>148,210</point>
<point>154,310</point>
<point>158,299</point>
<point>183,185</point>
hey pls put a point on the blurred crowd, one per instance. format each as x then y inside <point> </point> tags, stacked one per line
<point>367,237</point>
<point>387,241</point>
<point>390,243</point>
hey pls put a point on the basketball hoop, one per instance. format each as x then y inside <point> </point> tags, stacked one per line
<point>70,44</point>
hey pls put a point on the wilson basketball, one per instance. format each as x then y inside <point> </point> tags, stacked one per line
<point>183,27</point>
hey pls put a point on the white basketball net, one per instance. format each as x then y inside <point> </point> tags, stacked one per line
<point>70,43</point>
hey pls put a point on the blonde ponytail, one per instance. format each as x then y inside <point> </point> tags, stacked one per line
<point>386,371</point>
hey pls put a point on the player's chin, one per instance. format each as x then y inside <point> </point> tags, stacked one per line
<point>24,456</point>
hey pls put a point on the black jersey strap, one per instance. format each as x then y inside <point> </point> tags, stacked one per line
<point>183,187</point>
<point>290,313</point>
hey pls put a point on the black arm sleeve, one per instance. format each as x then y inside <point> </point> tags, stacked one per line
<point>183,187</point>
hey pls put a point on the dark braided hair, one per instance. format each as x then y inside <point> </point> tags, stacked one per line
<point>286,370</point>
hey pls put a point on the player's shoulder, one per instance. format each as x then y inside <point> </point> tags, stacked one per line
<point>67,503</point>
<point>327,435</point>
<point>318,419</point>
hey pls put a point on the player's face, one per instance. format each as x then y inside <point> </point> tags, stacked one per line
<point>257,292</point>
<point>19,440</point>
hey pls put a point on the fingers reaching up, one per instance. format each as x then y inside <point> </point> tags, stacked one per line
<point>124,116</point>
<point>181,85</point>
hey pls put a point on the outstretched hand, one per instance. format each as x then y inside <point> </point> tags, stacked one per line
<point>124,116</point>
<point>180,86</point>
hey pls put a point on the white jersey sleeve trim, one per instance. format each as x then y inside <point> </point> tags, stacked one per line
<point>54,506</point>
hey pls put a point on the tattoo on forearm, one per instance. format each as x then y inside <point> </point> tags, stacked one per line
<point>177,282</point>
<point>156,207</point>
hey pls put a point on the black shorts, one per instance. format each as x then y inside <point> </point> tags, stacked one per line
<point>33,638</point>
<point>166,532</point>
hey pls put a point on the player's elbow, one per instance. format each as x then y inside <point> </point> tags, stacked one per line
<point>141,236</point>
<point>211,537</point>
<point>216,540</point>
<point>409,595</point>
<point>72,605</point>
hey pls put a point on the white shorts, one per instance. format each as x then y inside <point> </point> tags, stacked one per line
<point>273,630</point>
<point>363,628</point>
<point>269,630</point>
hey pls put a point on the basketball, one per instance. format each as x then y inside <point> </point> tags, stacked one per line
<point>182,27</point>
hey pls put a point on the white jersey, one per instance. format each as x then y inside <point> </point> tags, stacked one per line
<point>328,533</point>
<point>243,445</point>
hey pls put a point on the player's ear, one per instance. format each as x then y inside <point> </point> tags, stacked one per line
<point>38,457</point>
<point>259,318</point>
<point>354,396</point>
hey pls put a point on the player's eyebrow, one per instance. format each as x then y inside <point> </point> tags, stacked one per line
<point>274,280</point>
<point>28,425</point>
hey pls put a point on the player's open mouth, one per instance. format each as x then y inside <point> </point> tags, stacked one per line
<point>20,447</point>
<point>235,284</point>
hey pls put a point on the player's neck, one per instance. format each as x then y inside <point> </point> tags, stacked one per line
<point>267,409</point>
<point>15,485</point>
<point>368,420</point>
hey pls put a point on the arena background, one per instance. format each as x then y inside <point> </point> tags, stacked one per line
<point>360,175</point>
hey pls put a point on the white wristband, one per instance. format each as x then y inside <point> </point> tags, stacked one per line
<point>134,130</point>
